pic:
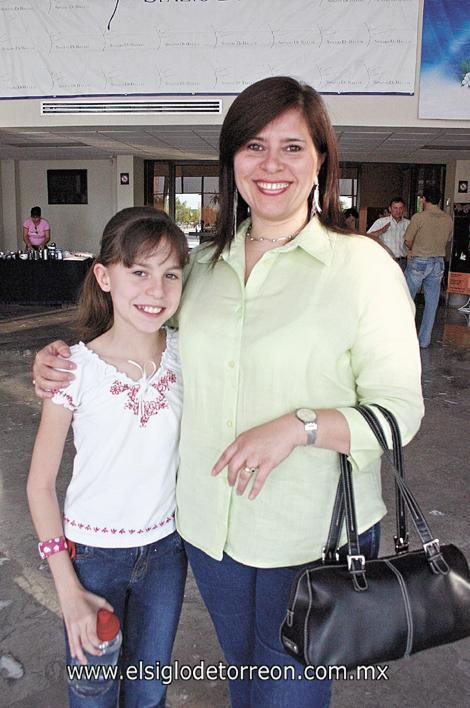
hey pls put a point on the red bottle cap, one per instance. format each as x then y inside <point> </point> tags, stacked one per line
<point>107,625</point>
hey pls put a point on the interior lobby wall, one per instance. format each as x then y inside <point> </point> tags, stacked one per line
<point>139,181</point>
<point>73,226</point>
<point>10,232</point>
<point>2,232</point>
<point>462,173</point>
<point>379,183</point>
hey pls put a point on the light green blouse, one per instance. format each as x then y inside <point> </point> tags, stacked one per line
<point>324,321</point>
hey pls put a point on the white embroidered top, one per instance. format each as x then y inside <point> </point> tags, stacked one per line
<point>126,435</point>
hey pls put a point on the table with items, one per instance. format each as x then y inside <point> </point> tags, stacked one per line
<point>50,281</point>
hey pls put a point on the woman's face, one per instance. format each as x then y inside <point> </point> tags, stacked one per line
<point>350,222</point>
<point>276,170</point>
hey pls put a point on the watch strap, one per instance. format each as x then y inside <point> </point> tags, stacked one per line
<point>311,430</point>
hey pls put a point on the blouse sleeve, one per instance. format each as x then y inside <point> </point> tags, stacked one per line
<point>385,358</point>
<point>172,356</point>
<point>70,396</point>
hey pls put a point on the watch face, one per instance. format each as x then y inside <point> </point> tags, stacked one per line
<point>306,415</point>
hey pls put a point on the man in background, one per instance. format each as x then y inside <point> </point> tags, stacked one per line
<point>390,230</point>
<point>426,237</point>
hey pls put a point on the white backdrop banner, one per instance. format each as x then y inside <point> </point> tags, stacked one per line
<point>119,47</point>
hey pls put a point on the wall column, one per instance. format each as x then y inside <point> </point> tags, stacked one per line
<point>11,226</point>
<point>129,193</point>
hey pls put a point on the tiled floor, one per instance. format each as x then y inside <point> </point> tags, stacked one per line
<point>31,641</point>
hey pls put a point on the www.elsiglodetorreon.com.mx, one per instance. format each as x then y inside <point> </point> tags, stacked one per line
<point>167,673</point>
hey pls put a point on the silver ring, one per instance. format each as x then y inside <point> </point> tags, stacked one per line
<point>250,470</point>
<point>34,382</point>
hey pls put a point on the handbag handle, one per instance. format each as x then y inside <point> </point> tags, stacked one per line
<point>330,549</point>
<point>401,538</point>
<point>345,507</point>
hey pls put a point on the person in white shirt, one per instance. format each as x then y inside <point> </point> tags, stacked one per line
<point>390,230</point>
<point>122,551</point>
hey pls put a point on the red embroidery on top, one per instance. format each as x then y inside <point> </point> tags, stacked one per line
<point>149,407</point>
<point>122,532</point>
<point>67,397</point>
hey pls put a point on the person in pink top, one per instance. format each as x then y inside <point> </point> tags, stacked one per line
<point>36,230</point>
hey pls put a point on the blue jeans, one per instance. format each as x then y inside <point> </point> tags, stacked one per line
<point>145,585</point>
<point>426,272</point>
<point>247,606</point>
<point>402,262</point>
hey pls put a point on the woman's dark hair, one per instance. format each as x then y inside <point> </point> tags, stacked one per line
<point>251,111</point>
<point>36,212</point>
<point>132,233</point>
<point>351,212</point>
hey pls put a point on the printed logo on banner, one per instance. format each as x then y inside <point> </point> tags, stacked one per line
<point>82,47</point>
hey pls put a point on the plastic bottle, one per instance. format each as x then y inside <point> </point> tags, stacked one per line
<point>109,633</point>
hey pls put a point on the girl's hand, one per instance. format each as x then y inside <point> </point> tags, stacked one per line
<point>263,448</point>
<point>46,376</point>
<point>80,610</point>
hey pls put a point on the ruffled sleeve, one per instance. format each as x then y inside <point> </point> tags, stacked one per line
<point>171,356</point>
<point>70,396</point>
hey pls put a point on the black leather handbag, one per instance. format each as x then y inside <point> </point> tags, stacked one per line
<point>367,612</point>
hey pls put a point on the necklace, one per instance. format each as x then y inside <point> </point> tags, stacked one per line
<point>249,237</point>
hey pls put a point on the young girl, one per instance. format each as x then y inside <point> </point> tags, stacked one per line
<point>125,408</point>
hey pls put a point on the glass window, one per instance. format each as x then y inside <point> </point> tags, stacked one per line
<point>192,185</point>
<point>211,185</point>
<point>158,185</point>
<point>188,191</point>
<point>348,192</point>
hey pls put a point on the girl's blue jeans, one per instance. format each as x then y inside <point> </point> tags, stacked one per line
<point>247,606</point>
<point>145,586</point>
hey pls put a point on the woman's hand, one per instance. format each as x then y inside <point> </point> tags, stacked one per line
<point>46,376</point>
<point>263,448</point>
<point>80,609</point>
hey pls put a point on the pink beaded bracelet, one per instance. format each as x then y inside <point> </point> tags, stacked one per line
<point>53,545</point>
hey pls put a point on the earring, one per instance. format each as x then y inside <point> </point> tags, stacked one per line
<point>235,210</point>
<point>316,208</point>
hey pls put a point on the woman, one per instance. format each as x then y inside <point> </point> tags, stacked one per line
<point>351,217</point>
<point>36,230</point>
<point>287,312</point>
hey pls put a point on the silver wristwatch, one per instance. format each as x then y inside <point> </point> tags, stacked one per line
<point>309,419</point>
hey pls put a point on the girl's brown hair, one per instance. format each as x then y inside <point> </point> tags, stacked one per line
<point>132,233</point>
<point>251,111</point>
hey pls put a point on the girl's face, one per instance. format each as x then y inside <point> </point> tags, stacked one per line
<point>276,170</point>
<point>147,294</point>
